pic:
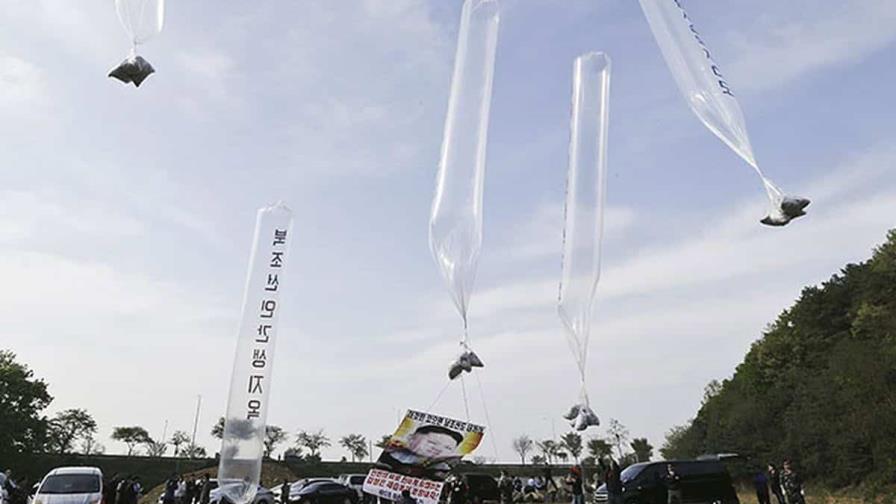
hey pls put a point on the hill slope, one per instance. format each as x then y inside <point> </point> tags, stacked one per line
<point>819,387</point>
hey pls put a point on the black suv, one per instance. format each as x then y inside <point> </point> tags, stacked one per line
<point>702,481</point>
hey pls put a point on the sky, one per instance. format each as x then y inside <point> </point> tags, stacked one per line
<point>126,214</point>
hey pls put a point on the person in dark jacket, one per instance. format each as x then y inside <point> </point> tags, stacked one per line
<point>284,492</point>
<point>774,482</point>
<point>205,492</point>
<point>505,488</point>
<point>760,483</point>
<point>792,484</point>
<point>672,480</point>
<point>576,485</point>
<point>614,483</point>
<point>170,489</point>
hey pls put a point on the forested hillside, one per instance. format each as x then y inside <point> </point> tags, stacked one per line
<point>818,387</point>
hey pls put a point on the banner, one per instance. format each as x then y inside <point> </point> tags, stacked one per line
<point>420,455</point>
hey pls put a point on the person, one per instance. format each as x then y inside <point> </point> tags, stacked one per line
<point>190,494</point>
<point>430,451</point>
<point>549,482</point>
<point>180,495</point>
<point>792,484</point>
<point>505,488</point>
<point>574,481</point>
<point>774,482</point>
<point>284,492</point>
<point>614,483</point>
<point>138,491</point>
<point>205,492</point>
<point>673,485</point>
<point>406,497</point>
<point>458,490</point>
<point>760,483</point>
<point>170,490</point>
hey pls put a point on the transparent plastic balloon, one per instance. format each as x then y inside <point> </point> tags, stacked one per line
<point>141,19</point>
<point>584,215</point>
<point>242,446</point>
<point>710,96</point>
<point>455,226</point>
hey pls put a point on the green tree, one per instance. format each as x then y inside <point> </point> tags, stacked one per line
<point>522,445</point>
<point>69,426</point>
<point>22,399</point>
<point>218,428</point>
<point>572,443</point>
<point>156,448</point>
<point>90,446</point>
<point>599,448</point>
<point>313,441</point>
<point>131,436</point>
<point>549,449</point>
<point>642,448</point>
<point>356,445</point>
<point>192,451</point>
<point>178,439</point>
<point>273,436</point>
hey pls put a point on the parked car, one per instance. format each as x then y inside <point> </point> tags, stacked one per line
<point>295,486</point>
<point>71,485</point>
<point>324,492</point>
<point>483,488</point>
<point>702,481</point>
<point>353,481</point>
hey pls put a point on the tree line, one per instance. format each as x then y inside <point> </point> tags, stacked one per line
<point>819,387</point>
<point>571,445</point>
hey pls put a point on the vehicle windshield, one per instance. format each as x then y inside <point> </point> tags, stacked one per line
<point>71,484</point>
<point>631,472</point>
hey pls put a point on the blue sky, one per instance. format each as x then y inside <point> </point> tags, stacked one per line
<point>126,214</point>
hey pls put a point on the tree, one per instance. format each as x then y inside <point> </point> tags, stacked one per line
<point>178,439</point>
<point>89,446</point>
<point>22,399</point>
<point>193,451</point>
<point>549,450</point>
<point>643,449</point>
<point>618,435</point>
<point>69,426</point>
<point>539,460</point>
<point>522,445</point>
<point>599,448</point>
<point>273,436</point>
<point>131,436</point>
<point>356,445</point>
<point>156,448</point>
<point>313,441</point>
<point>572,443</point>
<point>218,428</point>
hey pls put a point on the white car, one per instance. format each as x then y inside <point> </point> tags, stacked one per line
<point>353,481</point>
<point>71,485</point>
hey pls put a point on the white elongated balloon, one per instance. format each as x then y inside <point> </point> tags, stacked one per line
<point>242,446</point>
<point>584,215</point>
<point>141,19</point>
<point>709,95</point>
<point>455,225</point>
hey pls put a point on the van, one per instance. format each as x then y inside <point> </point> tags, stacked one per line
<point>71,485</point>
<point>702,481</point>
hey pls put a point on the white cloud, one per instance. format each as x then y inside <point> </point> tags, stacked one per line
<point>22,85</point>
<point>814,38</point>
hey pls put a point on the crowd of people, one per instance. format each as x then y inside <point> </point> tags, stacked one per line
<point>180,490</point>
<point>785,484</point>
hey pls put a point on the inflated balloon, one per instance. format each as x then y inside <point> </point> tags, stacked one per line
<point>709,95</point>
<point>584,215</point>
<point>586,418</point>
<point>242,445</point>
<point>141,20</point>
<point>455,225</point>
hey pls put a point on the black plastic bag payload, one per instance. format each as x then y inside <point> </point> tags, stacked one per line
<point>133,70</point>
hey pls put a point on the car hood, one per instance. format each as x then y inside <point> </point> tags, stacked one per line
<point>66,498</point>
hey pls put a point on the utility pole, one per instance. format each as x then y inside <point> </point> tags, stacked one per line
<point>196,419</point>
